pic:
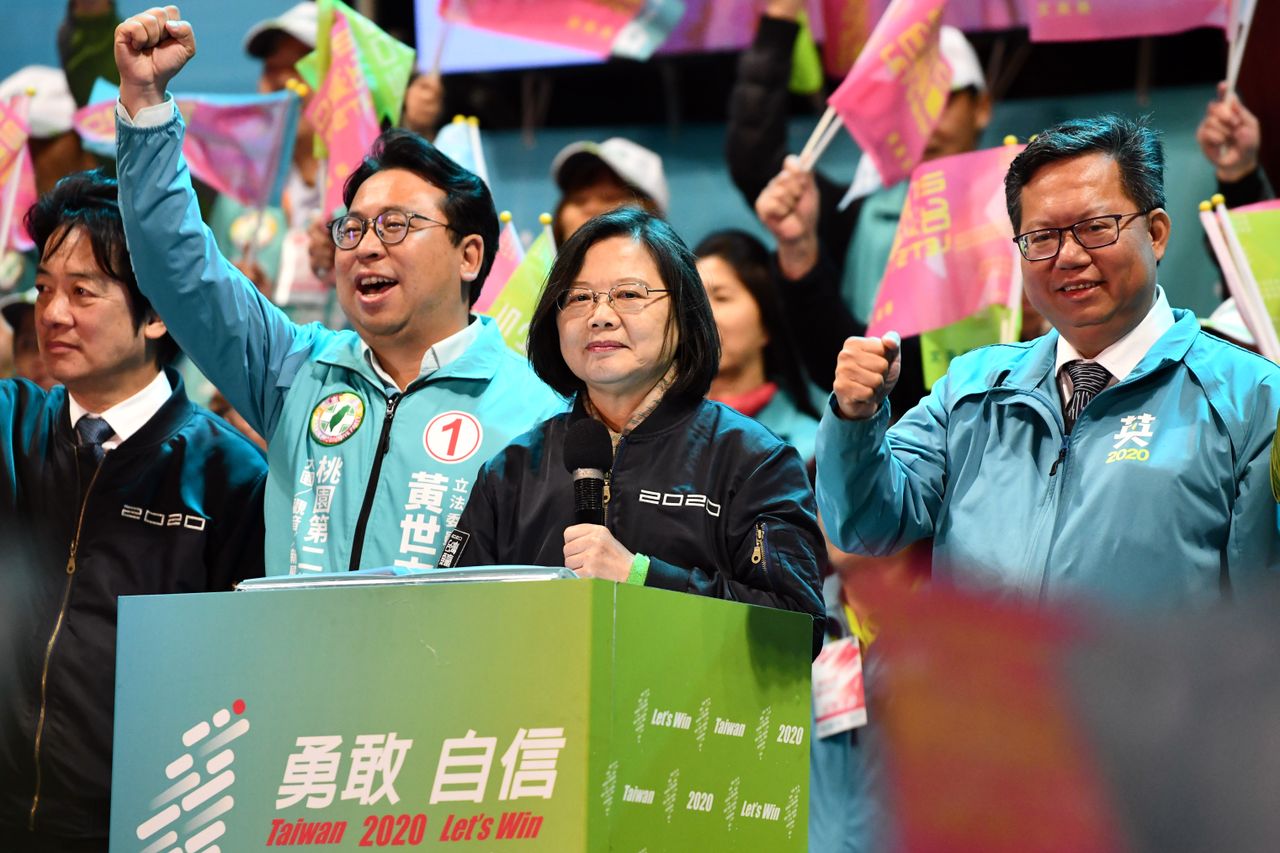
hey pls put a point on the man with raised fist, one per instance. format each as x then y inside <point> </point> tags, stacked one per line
<point>1123,456</point>
<point>373,435</point>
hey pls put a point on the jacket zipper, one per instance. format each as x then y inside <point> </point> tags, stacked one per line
<point>384,444</point>
<point>757,554</point>
<point>608,478</point>
<point>53,639</point>
<point>1062,455</point>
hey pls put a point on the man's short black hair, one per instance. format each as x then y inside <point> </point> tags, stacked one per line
<point>689,320</point>
<point>468,203</point>
<point>1133,144</point>
<point>90,201</point>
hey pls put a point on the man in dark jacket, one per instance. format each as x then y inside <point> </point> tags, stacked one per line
<point>111,484</point>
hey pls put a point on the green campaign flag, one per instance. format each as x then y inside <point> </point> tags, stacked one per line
<point>387,63</point>
<point>991,325</point>
<point>806,65</point>
<point>512,308</point>
<point>1258,228</point>
<point>308,68</point>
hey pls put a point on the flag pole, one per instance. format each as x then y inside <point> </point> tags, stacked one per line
<point>445,29</point>
<point>251,244</point>
<point>477,150</point>
<point>815,145</point>
<point>545,220</point>
<point>1240,39</point>
<point>1268,343</point>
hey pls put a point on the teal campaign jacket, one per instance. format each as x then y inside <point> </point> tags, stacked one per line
<point>1159,497</point>
<point>788,423</point>
<point>354,470</point>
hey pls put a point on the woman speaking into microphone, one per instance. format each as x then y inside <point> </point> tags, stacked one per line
<point>694,496</point>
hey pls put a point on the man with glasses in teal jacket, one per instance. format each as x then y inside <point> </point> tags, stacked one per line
<point>374,436</point>
<point>1123,456</point>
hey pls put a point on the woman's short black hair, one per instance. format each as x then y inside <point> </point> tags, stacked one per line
<point>90,201</point>
<point>689,321</point>
<point>749,260</point>
<point>467,202</point>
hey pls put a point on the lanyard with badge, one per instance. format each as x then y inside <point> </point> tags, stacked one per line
<point>839,700</point>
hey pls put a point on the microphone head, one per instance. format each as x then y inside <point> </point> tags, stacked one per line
<point>587,445</point>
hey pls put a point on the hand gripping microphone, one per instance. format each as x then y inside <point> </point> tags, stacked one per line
<point>588,454</point>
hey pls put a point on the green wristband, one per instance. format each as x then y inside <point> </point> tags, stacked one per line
<point>639,570</point>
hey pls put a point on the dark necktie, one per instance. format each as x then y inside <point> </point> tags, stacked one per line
<point>1087,379</point>
<point>92,432</point>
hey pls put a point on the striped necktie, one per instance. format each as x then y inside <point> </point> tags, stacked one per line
<point>1087,379</point>
<point>92,432</point>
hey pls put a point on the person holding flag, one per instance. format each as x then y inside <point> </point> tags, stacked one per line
<point>374,435</point>
<point>1123,456</point>
<point>823,246</point>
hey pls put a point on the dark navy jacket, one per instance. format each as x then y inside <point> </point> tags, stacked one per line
<point>176,508</point>
<point>720,505</point>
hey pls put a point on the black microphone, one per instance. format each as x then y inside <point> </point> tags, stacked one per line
<point>588,454</point>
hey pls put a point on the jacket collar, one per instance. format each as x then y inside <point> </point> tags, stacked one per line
<point>171,417</point>
<point>481,360</point>
<point>671,412</point>
<point>1034,369</point>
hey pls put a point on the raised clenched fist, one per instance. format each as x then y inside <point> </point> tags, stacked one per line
<point>866,371</point>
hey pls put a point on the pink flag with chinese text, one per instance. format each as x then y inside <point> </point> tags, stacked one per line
<point>952,254</point>
<point>1089,20</point>
<point>341,111</point>
<point>17,175</point>
<point>895,93</point>
<point>510,254</point>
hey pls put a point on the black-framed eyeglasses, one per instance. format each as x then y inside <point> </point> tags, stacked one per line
<point>1092,233</point>
<point>391,226</point>
<point>628,298</point>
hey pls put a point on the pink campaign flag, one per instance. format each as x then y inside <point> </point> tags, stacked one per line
<point>1091,20</point>
<point>342,113</point>
<point>510,254</point>
<point>952,254</point>
<point>240,145</point>
<point>241,149</point>
<point>895,93</point>
<point>17,177</point>
<point>587,25</point>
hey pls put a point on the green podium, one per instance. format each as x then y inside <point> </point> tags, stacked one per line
<point>556,716</point>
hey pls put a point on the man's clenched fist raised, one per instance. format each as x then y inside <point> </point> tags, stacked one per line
<point>151,47</point>
<point>866,371</point>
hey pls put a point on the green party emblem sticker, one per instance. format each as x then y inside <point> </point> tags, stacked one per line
<point>336,418</point>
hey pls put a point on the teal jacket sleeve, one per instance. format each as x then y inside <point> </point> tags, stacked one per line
<point>246,345</point>
<point>878,489</point>
<point>1253,546</point>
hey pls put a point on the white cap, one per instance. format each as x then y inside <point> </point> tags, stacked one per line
<point>299,21</point>
<point>637,166</point>
<point>1226,321</point>
<point>51,108</point>
<point>966,71</point>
